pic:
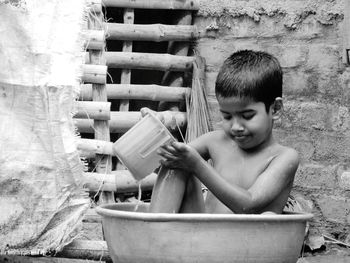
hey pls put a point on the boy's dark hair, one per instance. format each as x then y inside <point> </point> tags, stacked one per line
<point>250,74</point>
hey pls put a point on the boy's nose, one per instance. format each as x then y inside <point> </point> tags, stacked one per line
<point>236,126</point>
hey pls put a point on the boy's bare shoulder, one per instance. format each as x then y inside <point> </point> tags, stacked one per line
<point>288,151</point>
<point>215,135</point>
<point>205,142</point>
<point>213,138</point>
<point>287,154</point>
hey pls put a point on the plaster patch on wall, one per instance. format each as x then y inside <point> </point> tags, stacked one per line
<point>341,119</point>
<point>345,180</point>
<point>294,12</point>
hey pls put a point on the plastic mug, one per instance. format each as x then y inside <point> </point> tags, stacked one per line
<point>137,148</point>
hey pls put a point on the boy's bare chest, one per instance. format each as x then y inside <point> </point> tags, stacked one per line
<point>238,169</point>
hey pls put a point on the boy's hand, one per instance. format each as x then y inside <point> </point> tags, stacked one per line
<point>178,155</point>
<point>144,111</point>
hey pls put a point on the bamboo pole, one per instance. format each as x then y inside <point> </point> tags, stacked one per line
<point>95,110</point>
<point>125,77</point>
<point>95,146</point>
<point>176,78</point>
<point>154,4</point>
<point>94,74</point>
<point>120,181</point>
<point>155,32</point>
<point>94,6</point>
<point>95,39</point>
<point>87,58</point>
<point>139,92</point>
<point>120,122</point>
<point>179,49</point>
<point>86,249</point>
<point>148,61</point>
<point>86,151</point>
<point>116,126</point>
<point>99,93</point>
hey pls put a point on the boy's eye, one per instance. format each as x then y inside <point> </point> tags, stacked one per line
<point>248,115</point>
<point>226,116</point>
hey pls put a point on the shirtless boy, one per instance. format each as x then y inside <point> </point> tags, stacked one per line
<point>250,172</point>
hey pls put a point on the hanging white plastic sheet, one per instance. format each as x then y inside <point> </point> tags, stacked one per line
<point>41,198</point>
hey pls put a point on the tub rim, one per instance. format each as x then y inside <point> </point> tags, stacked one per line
<point>105,210</point>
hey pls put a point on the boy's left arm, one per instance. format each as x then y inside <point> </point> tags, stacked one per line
<point>276,178</point>
<point>278,175</point>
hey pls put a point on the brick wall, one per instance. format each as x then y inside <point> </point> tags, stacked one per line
<point>306,36</point>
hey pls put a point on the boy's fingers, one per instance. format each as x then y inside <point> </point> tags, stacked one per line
<point>179,146</point>
<point>167,154</point>
<point>144,111</point>
<point>166,163</point>
<point>169,148</point>
<point>160,117</point>
<point>169,164</point>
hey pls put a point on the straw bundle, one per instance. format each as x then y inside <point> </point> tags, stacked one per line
<point>198,115</point>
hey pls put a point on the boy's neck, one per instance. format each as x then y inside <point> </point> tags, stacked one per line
<point>258,148</point>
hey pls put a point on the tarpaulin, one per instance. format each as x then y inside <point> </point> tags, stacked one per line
<point>41,198</point>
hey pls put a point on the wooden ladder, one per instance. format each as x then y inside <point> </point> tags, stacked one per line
<point>94,114</point>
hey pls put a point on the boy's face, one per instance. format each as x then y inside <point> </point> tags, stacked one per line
<point>246,121</point>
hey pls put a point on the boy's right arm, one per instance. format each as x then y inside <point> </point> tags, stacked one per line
<point>201,144</point>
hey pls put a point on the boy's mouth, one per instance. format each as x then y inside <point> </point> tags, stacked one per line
<point>239,137</point>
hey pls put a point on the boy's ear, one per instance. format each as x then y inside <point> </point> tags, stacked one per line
<point>277,108</point>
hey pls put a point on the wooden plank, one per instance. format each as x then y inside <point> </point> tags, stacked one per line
<point>139,92</point>
<point>325,259</point>
<point>120,181</point>
<point>149,61</point>
<point>151,32</point>
<point>47,259</point>
<point>122,121</point>
<point>87,250</point>
<point>92,217</point>
<point>154,4</point>
<point>28,259</point>
<point>96,110</point>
